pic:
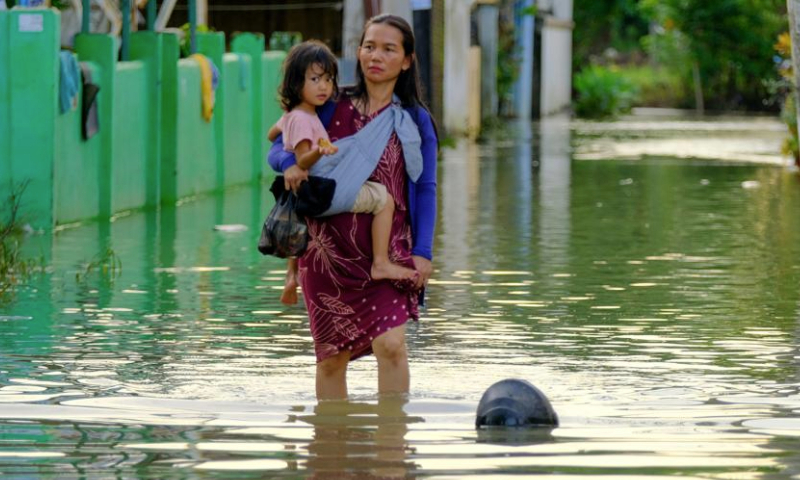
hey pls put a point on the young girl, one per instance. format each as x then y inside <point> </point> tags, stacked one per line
<point>309,80</point>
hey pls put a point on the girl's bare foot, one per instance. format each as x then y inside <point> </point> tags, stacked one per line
<point>289,295</point>
<point>391,271</point>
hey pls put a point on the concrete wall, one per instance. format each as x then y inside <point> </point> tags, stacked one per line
<point>153,146</point>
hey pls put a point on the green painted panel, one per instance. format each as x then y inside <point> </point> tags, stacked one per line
<point>33,44</point>
<point>146,46</point>
<point>253,45</point>
<point>196,158</point>
<point>272,62</point>
<point>212,45</point>
<point>5,109</point>
<point>102,50</point>
<point>238,126</point>
<point>128,163</point>
<point>170,52</point>
<point>76,168</point>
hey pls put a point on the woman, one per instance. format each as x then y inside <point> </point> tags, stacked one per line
<point>352,315</point>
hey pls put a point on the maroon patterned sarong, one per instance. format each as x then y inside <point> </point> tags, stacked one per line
<point>346,308</point>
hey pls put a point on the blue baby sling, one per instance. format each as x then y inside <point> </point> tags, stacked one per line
<point>360,153</point>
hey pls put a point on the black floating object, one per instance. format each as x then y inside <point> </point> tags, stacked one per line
<point>515,403</point>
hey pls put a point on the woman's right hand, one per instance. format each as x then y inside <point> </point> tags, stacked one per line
<point>293,177</point>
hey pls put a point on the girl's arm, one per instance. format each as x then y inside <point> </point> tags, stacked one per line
<point>279,159</point>
<point>273,133</point>
<point>306,154</point>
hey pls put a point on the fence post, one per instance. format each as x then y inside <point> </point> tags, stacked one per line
<point>29,41</point>
<point>146,46</point>
<point>102,50</point>
<point>253,46</point>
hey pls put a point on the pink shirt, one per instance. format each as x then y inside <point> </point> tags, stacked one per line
<point>299,125</point>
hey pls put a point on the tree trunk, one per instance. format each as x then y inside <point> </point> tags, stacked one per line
<point>699,103</point>
<point>794,30</point>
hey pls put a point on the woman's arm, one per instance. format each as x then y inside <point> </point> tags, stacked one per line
<point>425,192</point>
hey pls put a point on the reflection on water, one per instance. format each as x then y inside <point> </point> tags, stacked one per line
<point>653,298</point>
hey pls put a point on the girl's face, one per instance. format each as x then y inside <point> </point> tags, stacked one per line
<point>381,54</point>
<point>318,86</point>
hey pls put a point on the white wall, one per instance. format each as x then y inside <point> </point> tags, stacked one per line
<point>556,81</point>
<point>456,59</point>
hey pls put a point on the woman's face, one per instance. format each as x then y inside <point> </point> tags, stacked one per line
<point>381,54</point>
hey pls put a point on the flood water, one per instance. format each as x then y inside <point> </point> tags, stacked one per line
<point>643,274</point>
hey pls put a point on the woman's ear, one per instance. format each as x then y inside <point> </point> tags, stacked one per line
<point>407,62</point>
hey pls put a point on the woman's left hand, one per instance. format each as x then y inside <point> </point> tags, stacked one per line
<point>425,269</point>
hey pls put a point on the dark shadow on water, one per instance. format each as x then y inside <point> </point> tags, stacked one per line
<point>515,435</point>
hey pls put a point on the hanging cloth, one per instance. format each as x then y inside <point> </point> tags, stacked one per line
<point>90,124</point>
<point>209,79</point>
<point>69,82</point>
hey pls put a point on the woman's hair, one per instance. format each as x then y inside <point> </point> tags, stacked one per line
<point>300,57</point>
<point>409,86</point>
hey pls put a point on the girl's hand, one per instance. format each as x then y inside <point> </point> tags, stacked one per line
<point>326,147</point>
<point>328,150</point>
<point>425,269</point>
<point>293,177</point>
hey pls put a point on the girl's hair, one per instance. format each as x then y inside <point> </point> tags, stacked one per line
<point>300,57</point>
<point>408,87</point>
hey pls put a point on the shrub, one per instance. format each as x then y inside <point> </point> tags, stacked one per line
<point>658,86</point>
<point>603,92</point>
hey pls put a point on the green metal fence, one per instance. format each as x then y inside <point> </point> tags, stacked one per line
<point>153,145</point>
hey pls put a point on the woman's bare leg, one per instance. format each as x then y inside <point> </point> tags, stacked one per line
<point>390,351</point>
<point>332,377</point>
<point>382,267</point>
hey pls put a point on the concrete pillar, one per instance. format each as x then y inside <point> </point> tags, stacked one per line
<point>523,88</point>
<point>488,17</point>
<point>456,58</point>
<point>352,25</point>
<point>556,63</point>
<point>400,8</point>
<point>202,12</point>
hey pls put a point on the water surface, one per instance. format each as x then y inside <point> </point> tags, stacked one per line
<point>650,291</point>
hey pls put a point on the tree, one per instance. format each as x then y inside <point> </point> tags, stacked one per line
<point>728,41</point>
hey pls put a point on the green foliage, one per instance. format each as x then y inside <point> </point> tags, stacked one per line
<point>106,263</point>
<point>731,41</point>
<point>657,86</point>
<point>603,92</point>
<point>789,116</point>
<point>14,268</point>
<point>507,61</point>
<point>783,93</point>
<point>602,26</point>
<point>284,40</point>
<point>186,40</point>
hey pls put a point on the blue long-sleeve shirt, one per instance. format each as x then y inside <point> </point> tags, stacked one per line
<point>421,194</point>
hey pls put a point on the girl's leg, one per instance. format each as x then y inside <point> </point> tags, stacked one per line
<point>289,295</point>
<point>382,267</point>
<point>390,351</point>
<point>332,377</point>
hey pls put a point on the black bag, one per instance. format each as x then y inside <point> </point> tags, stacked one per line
<point>285,233</point>
<point>314,196</point>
